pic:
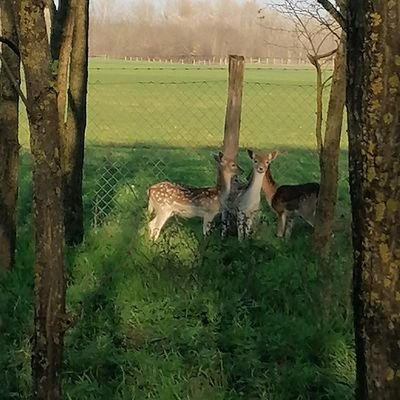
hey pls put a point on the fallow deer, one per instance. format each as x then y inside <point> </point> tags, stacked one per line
<point>290,201</point>
<point>247,202</point>
<point>167,199</point>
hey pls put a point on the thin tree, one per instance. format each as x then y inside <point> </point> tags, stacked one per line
<point>373,104</point>
<point>47,205</point>
<point>329,156</point>
<point>316,30</point>
<point>69,48</point>
<point>74,135</point>
<point>330,151</point>
<point>9,146</point>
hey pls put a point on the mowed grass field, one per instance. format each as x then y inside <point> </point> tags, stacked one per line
<point>188,317</point>
<point>176,105</point>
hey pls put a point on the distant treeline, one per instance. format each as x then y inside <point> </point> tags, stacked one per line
<point>191,29</point>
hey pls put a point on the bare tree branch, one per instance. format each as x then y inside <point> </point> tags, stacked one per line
<point>330,8</point>
<point>10,44</point>
<point>325,82</point>
<point>317,57</point>
<point>13,80</point>
<point>281,46</point>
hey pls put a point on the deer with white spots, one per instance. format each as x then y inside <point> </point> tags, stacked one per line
<point>167,199</point>
<point>247,202</point>
<point>290,201</point>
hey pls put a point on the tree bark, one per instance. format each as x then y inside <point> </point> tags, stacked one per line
<point>332,10</point>
<point>9,146</point>
<point>319,102</point>
<point>69,46</point>
<point>73,140</point>
<point>64,47</point>
<point>47,206</point>
<point>373,103</point>
<point>329,156</point>
<point>58,18</point>
<point>232,130</point>
<point>233,106</point>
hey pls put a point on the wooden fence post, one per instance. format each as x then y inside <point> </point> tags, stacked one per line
<point>232,126</point>
<point>233,106</point>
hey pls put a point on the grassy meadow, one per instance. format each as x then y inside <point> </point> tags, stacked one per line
<point>188,317</point>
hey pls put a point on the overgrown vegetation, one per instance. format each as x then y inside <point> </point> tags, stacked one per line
<point>188,318</point>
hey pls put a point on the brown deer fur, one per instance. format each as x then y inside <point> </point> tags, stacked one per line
<point>290,201</point>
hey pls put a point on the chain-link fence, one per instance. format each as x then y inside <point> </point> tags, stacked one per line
<point>151,124</point>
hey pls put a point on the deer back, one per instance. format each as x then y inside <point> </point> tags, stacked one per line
<point>300,198</point>
<point>184,200</point>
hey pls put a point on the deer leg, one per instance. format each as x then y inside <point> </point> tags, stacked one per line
<point>281,224</point>
<point>223,223</point>
<point>225,219</point>
<point>289,227</point>
<point>150,206</point>
<point>309,219</point>
<point>241,221</point>
<point>156,224</point>
<point>308,211</point>
<point>207,223</point>
<point>248,227</point>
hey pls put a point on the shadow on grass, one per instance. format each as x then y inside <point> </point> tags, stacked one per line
<point>189,317</point>
<point>16,301</point>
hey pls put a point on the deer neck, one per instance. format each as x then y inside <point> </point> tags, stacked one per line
<point>224,184</point>
<point>255,183</point>
<point>269,186</point>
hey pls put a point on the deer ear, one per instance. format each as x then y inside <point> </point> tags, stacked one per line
<point>250,153</point>
<point>220,155</point>
<point>273,155</point>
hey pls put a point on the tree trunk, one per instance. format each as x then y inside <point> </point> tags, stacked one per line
<point>58,18</point>
<point>9,146</point>
<point>373,102</point>
<point>47,206</point>
<point>64,47</point>
<point>329,156</point>
<point>74,137</point>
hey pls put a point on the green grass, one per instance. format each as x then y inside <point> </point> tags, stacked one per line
<point>186,318</point>
<point>180,106</point>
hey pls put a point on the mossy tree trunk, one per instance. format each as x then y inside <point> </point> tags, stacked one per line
<point>47,206</point>
<point>9,146</point>
<point>373,103</point>
<point>329,156</point>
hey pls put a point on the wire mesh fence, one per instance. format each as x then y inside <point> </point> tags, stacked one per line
<point>151,124</point>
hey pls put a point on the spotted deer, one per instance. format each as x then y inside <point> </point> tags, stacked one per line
<point>290,201</point>
<point>247,201</point>
<point>167,199</point>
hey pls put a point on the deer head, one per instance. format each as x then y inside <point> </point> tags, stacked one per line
<point>262,162</point>
<point>227,168</point>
